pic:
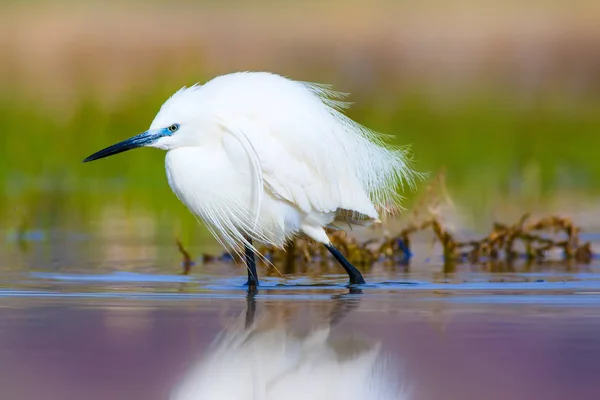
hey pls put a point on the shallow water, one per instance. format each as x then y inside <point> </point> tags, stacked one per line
<point>466,335</point>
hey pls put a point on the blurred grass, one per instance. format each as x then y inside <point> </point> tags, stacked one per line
<point>506,100</point>
<point>491,147</point>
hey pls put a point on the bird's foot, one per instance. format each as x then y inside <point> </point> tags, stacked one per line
<point>252,287</point>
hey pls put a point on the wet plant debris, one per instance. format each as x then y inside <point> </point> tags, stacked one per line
<point>535,241</point>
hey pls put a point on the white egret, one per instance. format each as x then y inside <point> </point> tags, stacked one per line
<point>279,364</point>
<point>261,157</point>
<point>268,359</point>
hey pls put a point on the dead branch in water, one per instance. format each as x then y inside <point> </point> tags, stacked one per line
<point>501,244</point>
<point>187,259</point>
<point>529,240</point>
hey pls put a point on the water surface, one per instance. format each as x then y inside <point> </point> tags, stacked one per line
<point>467,335</point>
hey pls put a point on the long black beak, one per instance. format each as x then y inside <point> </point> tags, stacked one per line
<point>143,139</point>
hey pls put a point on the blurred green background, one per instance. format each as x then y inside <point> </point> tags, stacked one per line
<point>505,96</point>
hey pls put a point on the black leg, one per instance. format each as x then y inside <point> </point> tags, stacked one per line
<point>251,266</point>
<point>356,277</point>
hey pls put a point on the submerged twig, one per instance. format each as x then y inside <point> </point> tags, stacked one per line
<point>187,259</point>
<point>505,243</point>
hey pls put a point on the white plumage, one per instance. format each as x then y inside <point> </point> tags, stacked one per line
<point>262,156</point>
<point>259,156</point>
<point>276,364</point>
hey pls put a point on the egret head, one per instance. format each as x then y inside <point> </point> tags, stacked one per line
<point>177,124</point>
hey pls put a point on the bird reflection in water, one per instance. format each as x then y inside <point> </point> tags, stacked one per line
<point>251,361</point>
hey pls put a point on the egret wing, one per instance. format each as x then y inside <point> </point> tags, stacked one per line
<point>292,174</point>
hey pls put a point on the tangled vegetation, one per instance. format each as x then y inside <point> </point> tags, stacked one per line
<point>526,239</point>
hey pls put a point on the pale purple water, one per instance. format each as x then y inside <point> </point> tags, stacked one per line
<point>134,336</point>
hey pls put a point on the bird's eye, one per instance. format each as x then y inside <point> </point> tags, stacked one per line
<point>173,128</point>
